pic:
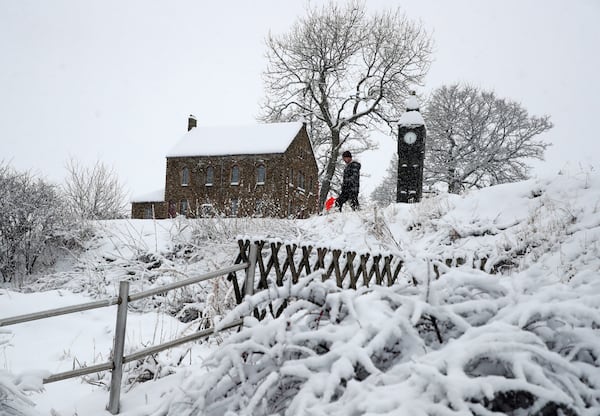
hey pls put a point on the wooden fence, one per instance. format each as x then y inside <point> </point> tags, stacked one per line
<point>277,261</point>
<point>275,266</point>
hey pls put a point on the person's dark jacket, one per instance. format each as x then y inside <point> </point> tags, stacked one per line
<point>351,181</point>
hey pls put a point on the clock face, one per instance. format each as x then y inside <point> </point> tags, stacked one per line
<point>410,137</point>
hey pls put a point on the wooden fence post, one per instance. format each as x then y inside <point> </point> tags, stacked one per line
<point>118,349</point>
<point>252,257</point>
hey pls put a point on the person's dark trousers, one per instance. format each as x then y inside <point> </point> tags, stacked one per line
<point>341,200</point>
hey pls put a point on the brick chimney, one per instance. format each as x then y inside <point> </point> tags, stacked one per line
<point>191,122</point>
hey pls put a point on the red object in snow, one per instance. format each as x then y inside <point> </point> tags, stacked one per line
<point>329,203</point>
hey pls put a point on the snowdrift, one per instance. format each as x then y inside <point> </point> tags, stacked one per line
<point>497,311</point>
<point>503,318</point>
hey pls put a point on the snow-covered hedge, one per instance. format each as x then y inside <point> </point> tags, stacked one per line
<point>466,344</point>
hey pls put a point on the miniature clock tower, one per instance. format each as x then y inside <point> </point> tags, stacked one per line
<point>411,152</point>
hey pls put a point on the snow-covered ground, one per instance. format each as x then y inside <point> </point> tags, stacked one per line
<point>497,309</point>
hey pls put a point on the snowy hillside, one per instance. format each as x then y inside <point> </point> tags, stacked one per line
<point>497,312</point>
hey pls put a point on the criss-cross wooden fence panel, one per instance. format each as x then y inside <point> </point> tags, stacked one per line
<point>278,261</point>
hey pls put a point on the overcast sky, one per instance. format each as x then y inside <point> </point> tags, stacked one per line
<point>115,80</point>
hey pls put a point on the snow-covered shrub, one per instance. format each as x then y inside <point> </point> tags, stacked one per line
<point>427,211</point>
<point>375,351</point>
<point>13,400</point>
<point>33,224</point>
<point>227,230</point>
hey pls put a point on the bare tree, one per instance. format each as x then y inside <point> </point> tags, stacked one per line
<point>94,193</point>
<point>343,72</point>
<point>475,139</point>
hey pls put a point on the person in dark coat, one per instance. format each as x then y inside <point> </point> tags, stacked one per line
<point>350,184</point>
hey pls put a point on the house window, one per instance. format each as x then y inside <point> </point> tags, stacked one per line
<point>235,175</point>
<point>261,173</point>
<point>185,177</point>
<point>149,212</point>
<point>183,207</point>
<point>300,182</point>
<point>210,176</point>
<point>234,207</point>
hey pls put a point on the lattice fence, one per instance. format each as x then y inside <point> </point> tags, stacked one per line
<point>277,262</point>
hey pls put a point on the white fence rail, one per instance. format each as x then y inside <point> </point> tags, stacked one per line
<point>122,301</point>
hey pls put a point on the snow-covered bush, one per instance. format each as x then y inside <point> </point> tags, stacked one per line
<point>467,348</point>
<point>150,254</point>
<point>225,230</point>
<point>12,400</point>
<point>33,224</point>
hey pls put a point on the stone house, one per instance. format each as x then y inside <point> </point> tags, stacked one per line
<point>258,170</point>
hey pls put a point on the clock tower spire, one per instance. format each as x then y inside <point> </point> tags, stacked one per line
<point>411,152</point>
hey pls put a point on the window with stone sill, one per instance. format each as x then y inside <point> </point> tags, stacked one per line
<point>235,175</point>
<point>185,177</point>
<point>300,183</point>
<point>149,212</point>
<point>210,176</point>
<point>261,174</point>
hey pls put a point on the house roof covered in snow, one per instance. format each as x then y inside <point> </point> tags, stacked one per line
<point>158,195</point>
<point>236,140</point>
